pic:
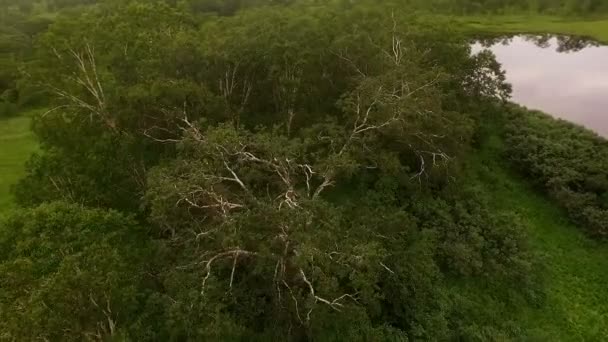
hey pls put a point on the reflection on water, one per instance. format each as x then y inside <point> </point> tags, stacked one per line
<point>561,43</point>
<point>563,76</point>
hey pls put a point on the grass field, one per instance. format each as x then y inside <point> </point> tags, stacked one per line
<point>16,145</point>
<point>594,28</point>
<point>576,306</point>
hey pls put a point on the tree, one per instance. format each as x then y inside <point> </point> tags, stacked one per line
<point>116,76</point>
<point>281,229</point>
<point>70,273</point>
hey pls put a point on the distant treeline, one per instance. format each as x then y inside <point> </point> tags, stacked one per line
<point>21,21</point>
<point>559,7</point>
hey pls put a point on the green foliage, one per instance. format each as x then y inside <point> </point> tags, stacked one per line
<point>17,35</point>
<point>567,161</point>
<point>285,222</point>
<point>568,7</point>
<point>69,273</point>
<point>21,23</point>
<point>7,109</point>
<point>301,170</point>
<point>257,71</point>
<point>129,81</point>
<point>279,250</point>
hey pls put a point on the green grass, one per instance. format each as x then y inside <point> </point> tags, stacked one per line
<point>576,307</point>
<point>16,145</point>
<point>596,28</point>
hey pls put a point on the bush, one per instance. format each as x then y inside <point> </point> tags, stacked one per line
<point>8,109</point>
<point>68,273</point>
<point>30,96</point>
<point>569,162</point>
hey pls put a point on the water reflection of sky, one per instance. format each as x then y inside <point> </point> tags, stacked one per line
<point>570,85</point>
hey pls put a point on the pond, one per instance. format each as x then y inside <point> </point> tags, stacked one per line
<point>566,77</point>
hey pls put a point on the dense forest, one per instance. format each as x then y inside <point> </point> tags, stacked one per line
<point>568,7</point>
<point>23,20</point>
<point>271,170</point>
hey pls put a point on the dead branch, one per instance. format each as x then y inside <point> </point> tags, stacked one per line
<point>334,304</point>
<point>387,268</point>
<point>229,85</point>
<point>88,78</point>
<point>234,253</point>
<point>295,301</point>
<point>107,312</point>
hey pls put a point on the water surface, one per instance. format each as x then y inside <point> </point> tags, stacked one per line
<point>566,77</point>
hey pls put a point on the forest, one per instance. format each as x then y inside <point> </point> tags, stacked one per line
<point>267,170</point>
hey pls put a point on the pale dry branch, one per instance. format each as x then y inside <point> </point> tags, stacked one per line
<point>387,268</point>
<point>342,55</point>
<point>424,86</point>
<point>147,133</point>
<point>286,90</point>
<point>219,202</point>
<point>200,235</point>
<point>55,109</point>
<point>234,253</point>
<point>234,178</point>
<point>88,78</point>
<point>327,182</point>
<point>295,301</point>
<point>236,257</point>
<point>335,304</point>
<point>233,79</point>
<point>396,47</point>
<point>422,169</point>
<point>308,173</point>
<point>107,312</point>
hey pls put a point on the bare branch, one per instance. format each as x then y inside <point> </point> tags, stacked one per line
<point>89,79</point>
<point>236,256</point>
<point>334,304</point>
<point>387,268</point>
<point>295,301</point>
<point>236,178</point>
<point>235,253</point>
<point>343,56</point>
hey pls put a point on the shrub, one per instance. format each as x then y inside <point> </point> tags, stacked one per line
<point>68,273</point>
<point>567,161</point>
<point>8,109</point>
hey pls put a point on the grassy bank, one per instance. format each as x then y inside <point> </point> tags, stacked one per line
<point>16,145</point>
<point>576,306</point>
<point>596,28</point>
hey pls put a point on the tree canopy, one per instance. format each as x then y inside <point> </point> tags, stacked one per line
<point>269,171</point>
